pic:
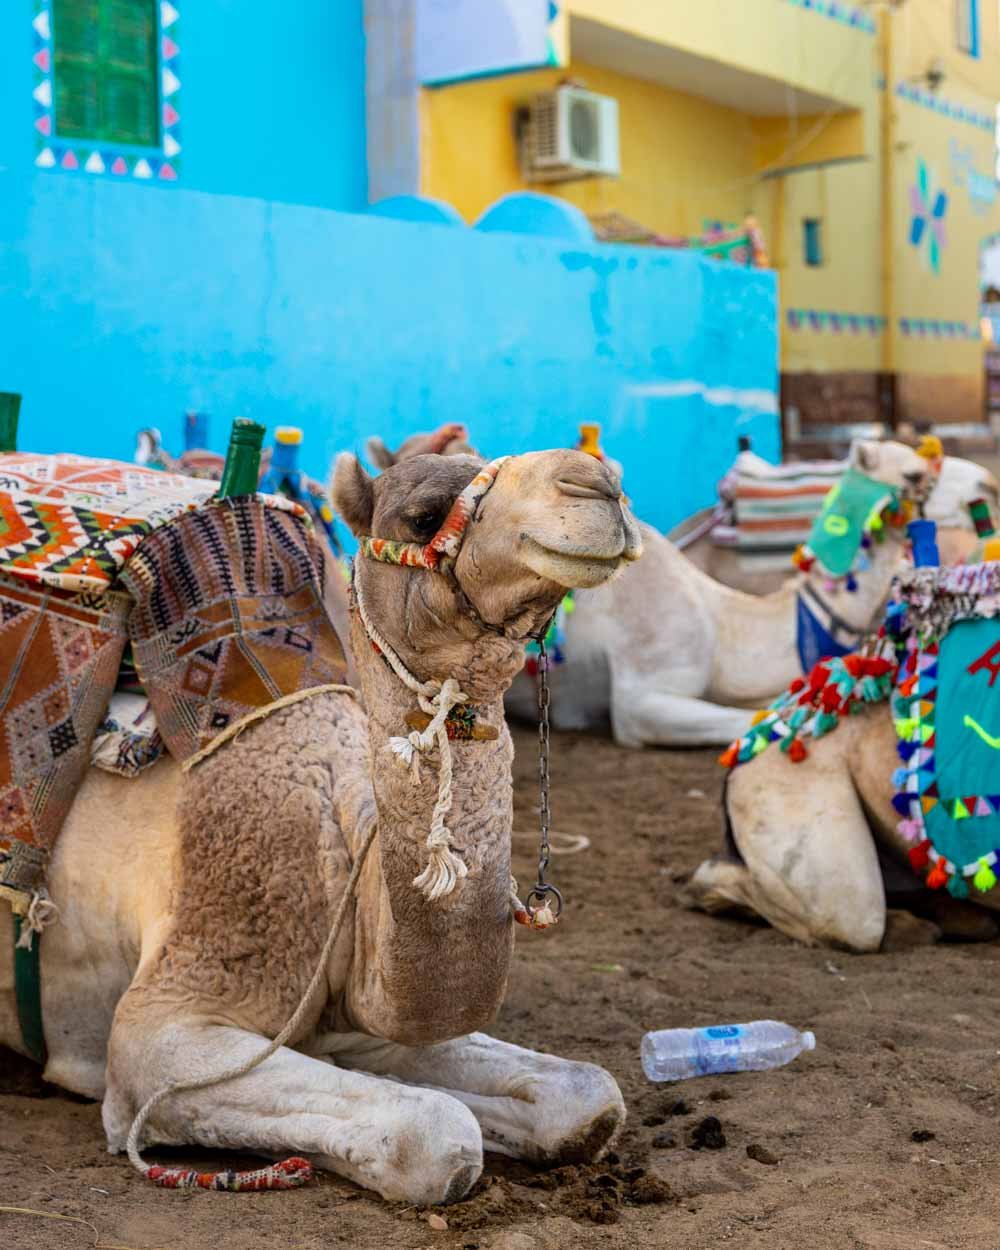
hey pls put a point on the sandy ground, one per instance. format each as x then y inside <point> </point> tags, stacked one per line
<point>884,1138</point>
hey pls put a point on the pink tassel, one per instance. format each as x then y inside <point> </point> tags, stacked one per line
<point>909,829</point>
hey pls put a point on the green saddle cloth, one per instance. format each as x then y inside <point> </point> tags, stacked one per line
<point>964,823</point>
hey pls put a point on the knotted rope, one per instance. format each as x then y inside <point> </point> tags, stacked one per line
<point>41,912</point>
<point>436,699</point>
<point>290,1173</point>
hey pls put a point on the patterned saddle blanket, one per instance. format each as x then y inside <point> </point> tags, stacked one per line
<point>218,605</point>
<point>772,507</point>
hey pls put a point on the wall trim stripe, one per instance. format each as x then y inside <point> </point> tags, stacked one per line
<point>946,108</point>
<point>839,11</point>
<point>821,321</point>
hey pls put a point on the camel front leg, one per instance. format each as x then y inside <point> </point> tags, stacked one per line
<point>530,1106</point>
<point>642,716</point>
<point>806,857</point>
<point>408,1144</point>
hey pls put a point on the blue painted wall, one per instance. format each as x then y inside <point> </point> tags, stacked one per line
<point>272,99</point>
<point>122,306</point>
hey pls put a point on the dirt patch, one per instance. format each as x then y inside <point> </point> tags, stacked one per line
<point>906,1040</point>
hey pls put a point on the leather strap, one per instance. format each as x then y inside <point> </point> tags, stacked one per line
<point>28,992</point>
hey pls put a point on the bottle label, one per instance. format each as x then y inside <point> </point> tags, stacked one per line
<point>716,1047</point>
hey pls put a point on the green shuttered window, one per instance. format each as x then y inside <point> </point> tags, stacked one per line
<point>105,68</point>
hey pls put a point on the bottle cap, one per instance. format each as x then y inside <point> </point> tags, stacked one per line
<point>290,435</point>
<point>808,1041</point>
<point>247,433</point>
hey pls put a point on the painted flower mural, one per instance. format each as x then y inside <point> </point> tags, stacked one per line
<point>927,221</point>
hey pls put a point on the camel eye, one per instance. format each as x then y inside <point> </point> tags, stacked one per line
<point>426,524</point>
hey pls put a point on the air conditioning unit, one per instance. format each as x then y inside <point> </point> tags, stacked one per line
<point>572,133</point>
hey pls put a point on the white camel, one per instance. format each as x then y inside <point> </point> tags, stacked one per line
<point>668,657</point>
<point>957,482</point>
<point>194,907</point>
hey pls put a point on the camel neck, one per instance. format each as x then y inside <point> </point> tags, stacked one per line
<point>441,966</point>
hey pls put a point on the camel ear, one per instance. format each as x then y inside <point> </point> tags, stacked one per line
<point>352,493</point>
<point>378,454</point>
<point>865,455</point>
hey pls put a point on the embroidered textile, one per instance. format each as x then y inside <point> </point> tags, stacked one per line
<point>946,712</point>
<point>72,522</point>
<point>60,659</point>
<point>228,618</point>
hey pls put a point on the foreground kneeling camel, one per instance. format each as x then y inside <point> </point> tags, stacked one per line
<point>194,907</point>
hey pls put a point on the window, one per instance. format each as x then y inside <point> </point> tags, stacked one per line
<point>812,240</point>
<point>967,12</point>
<point>105,71</point>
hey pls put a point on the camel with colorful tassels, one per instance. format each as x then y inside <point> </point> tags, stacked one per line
<point>875,773</point>
<point>290,942</point>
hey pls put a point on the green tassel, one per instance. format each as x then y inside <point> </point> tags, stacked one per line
<point>957,886</point>
<point>985,878</point>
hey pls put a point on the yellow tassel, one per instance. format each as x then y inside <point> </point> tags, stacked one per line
<point>758,716</point>
<point>985,878</point>
<point>930,447</point>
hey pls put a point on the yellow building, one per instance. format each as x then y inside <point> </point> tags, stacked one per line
<point>860,135</point>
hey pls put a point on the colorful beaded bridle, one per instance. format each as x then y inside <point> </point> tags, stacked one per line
<point>543,905</point>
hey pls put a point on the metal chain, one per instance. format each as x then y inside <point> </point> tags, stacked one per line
<point>544,902</point>
<point>544,779</point>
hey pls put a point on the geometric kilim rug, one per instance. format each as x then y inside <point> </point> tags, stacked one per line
<point>222,600</point>
<point>72,521</point>
<point>59,656</point>
<point>228,618</point>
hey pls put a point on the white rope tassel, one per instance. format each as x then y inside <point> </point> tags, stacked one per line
<point>436,699</point>
<point>41,913</point>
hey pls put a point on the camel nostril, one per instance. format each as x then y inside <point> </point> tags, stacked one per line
<point>589,484</point>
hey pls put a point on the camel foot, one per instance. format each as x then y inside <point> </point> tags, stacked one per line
<point>718,885</point>
<point>960,921</point>
<point>529,1106</point>
<point>904,931</point>
<point>420,1146</point>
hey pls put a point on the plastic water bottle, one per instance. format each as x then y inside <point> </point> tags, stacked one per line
<point>676,1054</point>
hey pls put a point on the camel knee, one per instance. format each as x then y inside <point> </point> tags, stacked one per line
<point>434,1151</point>
<point>578,1110</point>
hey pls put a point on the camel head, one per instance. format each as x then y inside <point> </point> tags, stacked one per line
<point>546,521</point>
<point>451,439</point>
<point>896,465</point>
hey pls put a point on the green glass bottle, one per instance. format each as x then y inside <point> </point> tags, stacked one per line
<point>981,518</point>
<point>242,471</point>
<point>10,407</point>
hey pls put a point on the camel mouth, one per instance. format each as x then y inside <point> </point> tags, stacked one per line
<point>576,570</point>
